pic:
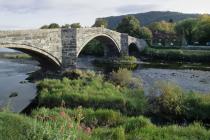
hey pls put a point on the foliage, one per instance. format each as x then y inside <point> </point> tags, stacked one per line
<point>162,26</point>
<point>145,33</point>
<point>94,47</point>
<point>167,99</point>
<point>51,26</point>
<point>100,22</point>
<point>121,77</point>
<point>129,25</point>
<point>202,29</point>
<point>150,17</point>
<point>177,55</point>
<point>75,25</point>
<point>185,28</point>
<point>66,26</point>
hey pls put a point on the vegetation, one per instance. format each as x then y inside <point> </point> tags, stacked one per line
<point>170,102</point>
<point>162,26</point>
<point>14,56</point>
<point>100,22</point>
<point>51,26</point>
<point>177,55</point>
<point>90,92</point>
<point>94,47</point>
<point>129,25</point>
<point>55,26</point>
<point>86,106</point>
<point>150,17</point>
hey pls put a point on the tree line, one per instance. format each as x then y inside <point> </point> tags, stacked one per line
<point>192,30</point>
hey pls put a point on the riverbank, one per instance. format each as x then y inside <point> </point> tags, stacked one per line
<point>176,55</point>
<point>14,55</point>
<point>84,105</point>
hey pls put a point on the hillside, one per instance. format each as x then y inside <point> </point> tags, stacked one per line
<point>149,17</point>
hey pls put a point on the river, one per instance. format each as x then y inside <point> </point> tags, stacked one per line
<point>13,75</point>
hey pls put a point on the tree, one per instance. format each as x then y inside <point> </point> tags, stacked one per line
<point>76,25</point>
<point>202,29</point>
<point>44,27</point>
<point>101,22</point>
<point>53,26</point>
<point>144,33</point>
<point>129,25</point>
<point>66,26</point>
<point>162,26</point>
<point>185,28</point>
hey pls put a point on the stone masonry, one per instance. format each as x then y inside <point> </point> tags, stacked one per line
<point>63,46</point>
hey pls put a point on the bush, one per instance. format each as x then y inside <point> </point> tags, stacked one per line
<point>167,100</point>
<point>124,78</point>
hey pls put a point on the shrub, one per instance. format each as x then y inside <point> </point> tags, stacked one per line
<point>122,77</point>
<point>166,99</point>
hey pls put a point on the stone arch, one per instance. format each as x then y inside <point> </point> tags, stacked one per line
<point>103,38</point>
<point>133,49</point>
<point>31,50</point>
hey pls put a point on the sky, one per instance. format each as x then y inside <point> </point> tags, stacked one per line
<point>31,14</point>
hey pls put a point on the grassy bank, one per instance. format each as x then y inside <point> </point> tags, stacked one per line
<point>14,55</point>
<point>87,106</point>
<point>177,55</point>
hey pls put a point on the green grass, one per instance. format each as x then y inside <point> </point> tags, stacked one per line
<point>90,92</point>
<point>19,127</point>
<point>177,55</point>
<point>14,56</point>
<point>109,124</point>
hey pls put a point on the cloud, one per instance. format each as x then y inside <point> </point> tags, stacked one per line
<point>137,8</point>
<point>21,14</point>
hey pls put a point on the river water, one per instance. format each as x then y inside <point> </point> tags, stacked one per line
<point>13,75</point>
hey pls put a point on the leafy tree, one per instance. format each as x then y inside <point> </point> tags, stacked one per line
<point>66,26</point>
<point>129,25</point>
<point>162,26</point>
<point>202,29</point>
<point>144,33</point>
<point>53,26</point>
<point>76,25</point>
<point>185,29</point>
<point>44,27</point>
<point>100,22</point>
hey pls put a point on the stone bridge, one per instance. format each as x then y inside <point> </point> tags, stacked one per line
<point>63,46</point>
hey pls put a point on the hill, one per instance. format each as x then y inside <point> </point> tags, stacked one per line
<point>149,17</point>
